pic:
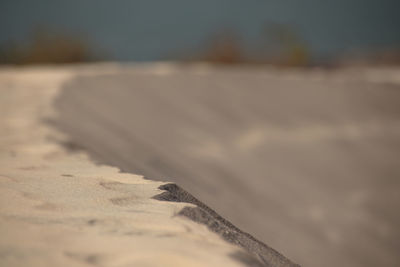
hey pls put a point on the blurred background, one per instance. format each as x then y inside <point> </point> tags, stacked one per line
<point>288,33</point>
<point>292,132</point>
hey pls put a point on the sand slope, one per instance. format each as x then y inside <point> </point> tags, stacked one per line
<point>306,160</point>
<point>60,209</point>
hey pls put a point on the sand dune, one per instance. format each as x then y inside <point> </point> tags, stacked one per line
<point>60,209</point>
<point>307,161</point>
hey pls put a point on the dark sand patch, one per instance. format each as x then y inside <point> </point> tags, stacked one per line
<point>262,255</point>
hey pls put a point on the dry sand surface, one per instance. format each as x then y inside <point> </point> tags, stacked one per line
<point>60,209</point>
<point>306,160</point>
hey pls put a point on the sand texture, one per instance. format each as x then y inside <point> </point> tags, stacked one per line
<point>58,208</point>
<point>306,160</point>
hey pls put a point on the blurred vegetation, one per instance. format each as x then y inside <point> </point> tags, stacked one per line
<point>46,47</point>
<point>284,47</point>
<point>281,46</point>
<point>224,48</point>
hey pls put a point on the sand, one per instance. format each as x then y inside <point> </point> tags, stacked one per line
<point>58,208</point>
<point>307,161</point>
